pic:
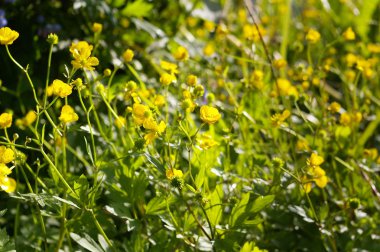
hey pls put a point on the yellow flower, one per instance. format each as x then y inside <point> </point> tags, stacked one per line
<point>7,184</point>
<point>286,88</point>
<point>154,129</point>
<point>172,173</point>
<point>319,177</point>
<point>191,80</point>
<point>7,36</point>
<point>97,28</point>
<point>159,100</point>
<point>209,114</point>
<point>349,34</point>
<point>181,53</point>
<point>166,79</point>
<point>345,119</point>
<point>371,153</point>
<point>209,49</point>
<point>279,63</point>
<point>206,142</point>
<point>68,114</point>
<point>334,107</point>
<point>278,119</point>
<point>313,36</point>
<point>81,52</point>
<point>128,55</point>
<point>302,145</point>
<point>5,120</point>
<point>61,89</point>
<point>314,160</point>
<point>120,122</point>
<point>29,118</point>
<point>140,113</point>
<point>168,66</point>
<point>7,155</point>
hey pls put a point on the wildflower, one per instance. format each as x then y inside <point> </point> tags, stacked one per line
<point>61,89</point>
<point>81,52</point>
<point>188,105</point>
<point>120,122</point>
<point>140,113</point>
<point>97,28</point>
<point>209,49</point>
<point>128,55</point>
<point>166,79</point>
<point>314,160</point>
<point>345,119</point>
<point>302,145</point>
<point>154,130</point>
<point>172,173</point>
<point>334,107</point>
<point>7,155</point>
<point>349,34</point>
<point>191,80</point>
<point>159,100</point>
<point>279,63</point>
<point>278,119</point>
<point>198,91</point>
<point>313,36</point>
<point>286,88</point>
<point>52,39</point>
<point>7,36</point>
<point>209,115</point>
<point>181,53</point>
<point>373,48</point>
<point>171,67</point>
<point>6,184</point>
<point>371,153</point>
<point>209,25</point>
<point>5,120</point>
<point>68,114</point>
<point>250,32</point>
<point>206,141</point>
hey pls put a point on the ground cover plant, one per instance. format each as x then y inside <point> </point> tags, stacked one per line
<point>189,125</point>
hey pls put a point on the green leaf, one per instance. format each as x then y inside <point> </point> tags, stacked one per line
<point>156,206</point>
<point>261,202</point>
<point>138,8</point>
<point>214,212</point>
<point>5,243</point>
<point>81,187</point>
<point>2,212</point>
<point>86,242</point>
<point>154,161</point>
<point>239,209</point>
<point>363,20</point>
<point>200,178</point>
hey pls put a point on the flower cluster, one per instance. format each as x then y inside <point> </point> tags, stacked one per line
<point>6,183</point>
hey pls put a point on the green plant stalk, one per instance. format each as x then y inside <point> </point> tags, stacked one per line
<point>100,229</point>
<point>59,173</point>
<point>285,30</point>
<point>25,70</point>
<point>48,74</point>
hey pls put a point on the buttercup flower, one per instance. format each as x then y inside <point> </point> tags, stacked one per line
<point>173,173</point>
<point>140,113</point>
<point>128,55</point>
<point>7,36</point>
<point>166,79</point>
<point>349,34</point>
<point>61,89</point>
<point>314,160</point>
<point>171,67</point>
<point>181,53</point>
<point>97,28</point>
<point>5,120</point>
<point>81,52</point>
<point>7,155</point>
<point>209,115</point>
<point>6,184</point>
<point>206,141</point>
<point>68,114</point>
<point>313,36</point>
<point>278,119</point>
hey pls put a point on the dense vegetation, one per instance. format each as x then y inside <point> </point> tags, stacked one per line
<point>191,125</point>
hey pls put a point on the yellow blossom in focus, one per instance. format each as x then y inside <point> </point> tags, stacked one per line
<point>5,120</point>
<point>181,53</point>
<point>172,173</point>
<point>8,184</point>
<point>209,115</point>
<point>81,52</point>
<point>120,122</point>
<point>7,36</point>
<point>349,34</point>
<point>68,114</point>
<point>128,55</point>
<point>319,177</point>
<point>97,28</point>
<point>7,155</point>
<point>313,36</point>
<point>61,89</point>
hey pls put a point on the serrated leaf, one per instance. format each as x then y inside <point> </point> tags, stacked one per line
<point>139,8</point>
<point>6,244</point>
